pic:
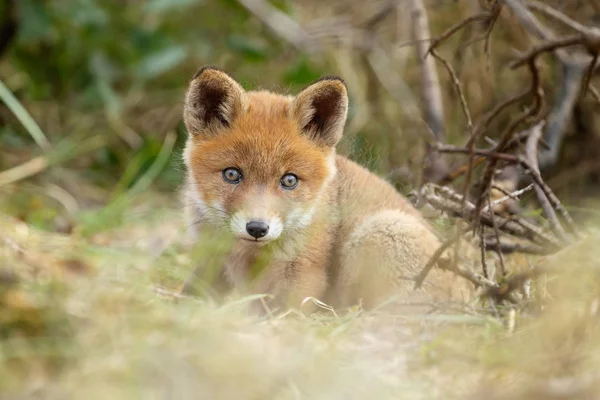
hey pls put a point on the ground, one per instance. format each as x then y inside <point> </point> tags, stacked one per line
<point>92,315</point>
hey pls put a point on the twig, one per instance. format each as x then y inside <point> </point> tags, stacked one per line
<point>588,74</point>
<point>430,82</point>
<point>506,137</point>
<point>497,234</point>
<point>531,152</point>
<point>497,8</point>
<point>445,199</point>
<point>456,27</point>
<point>446,148</point>
<point>514,195</point>
<point>567,96</point>
<point>557,15</point>
<point>551,196</point>
<point>457,88</point>
<point>420,278</point>
<point>547,47</point>
<point>502,291</point>
<point>508,248</point>
<point>476,279</point>
<point>482,248</point>
<point>594,92</point>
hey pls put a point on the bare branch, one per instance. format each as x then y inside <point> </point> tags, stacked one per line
<point>547,47</point>
<point>457,88</point>
<point>420,278</point>
<point>531,152</point>
<point>514,195</point>
<point>508,248</point>
<point>557,15</point>
<point>567,96</point>
<point>430,82</point>
<point>445,199</point>
<point>435,42</point>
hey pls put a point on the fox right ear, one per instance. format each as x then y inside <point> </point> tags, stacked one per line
<point>321,110</point>
<point>212,102</point>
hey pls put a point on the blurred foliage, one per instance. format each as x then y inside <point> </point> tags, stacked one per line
<point>127,57</point>
<point>119,69</point>
<point>115,71</point>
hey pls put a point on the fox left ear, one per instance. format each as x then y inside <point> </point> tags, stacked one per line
<point>213,101</point>
<point>321,110</point>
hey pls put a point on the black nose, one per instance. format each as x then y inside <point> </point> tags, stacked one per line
<point>257,229</point>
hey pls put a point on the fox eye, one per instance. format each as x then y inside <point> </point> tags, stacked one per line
<point>232,175</point>
<point>289,181</point>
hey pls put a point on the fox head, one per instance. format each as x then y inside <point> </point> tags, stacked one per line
<point>258,163</point>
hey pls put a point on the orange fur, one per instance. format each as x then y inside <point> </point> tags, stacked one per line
<point>340,233</point>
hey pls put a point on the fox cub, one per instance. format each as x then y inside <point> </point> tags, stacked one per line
<point>303,222</point>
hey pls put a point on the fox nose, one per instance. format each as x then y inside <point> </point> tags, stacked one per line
<point>257,229</point>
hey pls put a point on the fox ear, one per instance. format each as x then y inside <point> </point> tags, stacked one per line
<point>212,102</point>
<point>321,110</point>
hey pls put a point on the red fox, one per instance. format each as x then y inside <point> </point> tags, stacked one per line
<point>262,169</point>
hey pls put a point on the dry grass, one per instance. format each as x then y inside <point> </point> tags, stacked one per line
<point>86,321</point>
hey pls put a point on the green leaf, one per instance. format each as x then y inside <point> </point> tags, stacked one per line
<point>162,6</point>
<point>35,23</point>
<point>160,62</point>
<point>301,73</point>
<point>250,49</point>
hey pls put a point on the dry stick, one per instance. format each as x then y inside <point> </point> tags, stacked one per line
<point>508,248</point>
<point>457,88</point>
<point>547,47</point>
<point>482,248</point>
<point>528,20</point>
<point>446,148</point>
<point>557,15</point>
<point>481,128</point>
<point>488,174</point>
<point>514,195</point>
<point>420,278</point>
<point>497,234</point>
<point>460,93</point>
<point>594,92</point>
<point>502,291</point>
<point>537,178</point>
<point>456,27</point>
<point>476,279</point>
<point>479,159</point>
<point>467,114</point>
<point>588,74</point>
<point>487,45</point>
<point>450,201</point>
<point>567,97</point>
<point>534,26</point>
<point>490,116</point>
<point>459,170</point>
<point>531,152</point>
<point>562,109</point>
<point>449,32</point>
<point>430,82</point>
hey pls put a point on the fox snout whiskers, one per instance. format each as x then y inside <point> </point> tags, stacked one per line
<point>256,229</point>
